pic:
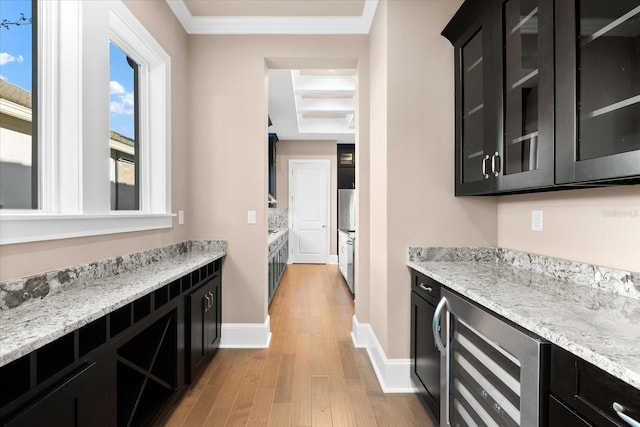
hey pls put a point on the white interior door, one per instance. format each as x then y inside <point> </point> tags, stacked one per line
<point>309,188</point>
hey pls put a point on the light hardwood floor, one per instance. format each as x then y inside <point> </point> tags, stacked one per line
<point>311,375</point>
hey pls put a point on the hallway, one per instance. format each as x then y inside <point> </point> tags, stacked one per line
<point>311,375</point>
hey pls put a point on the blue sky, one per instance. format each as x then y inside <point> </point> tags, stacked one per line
<point>121,100</point>
<point>16,63</point>
<point>15,44</point>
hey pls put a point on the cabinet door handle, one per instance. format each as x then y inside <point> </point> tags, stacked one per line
<point>425,288</point>
<point>436,325</point>
<point>495,164</point>
<point>624,417</point>
<point>484,166</point>
<point>208,303</point>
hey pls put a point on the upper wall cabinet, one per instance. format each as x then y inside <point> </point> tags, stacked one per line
<point>523,71</point>
<point>598,87</point>
<point>476,128</point>
<point>514,133</point>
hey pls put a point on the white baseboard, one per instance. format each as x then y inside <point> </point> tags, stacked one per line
<point>246,335</point>
<point>393,374</point>
<point>333,259</point>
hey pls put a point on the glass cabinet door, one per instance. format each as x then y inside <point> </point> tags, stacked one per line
<point>598,89</point>
<point>527,89</point>
<point>473,110</point>
<point>608,60</point>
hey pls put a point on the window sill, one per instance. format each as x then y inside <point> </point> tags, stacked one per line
<point>30,227</point>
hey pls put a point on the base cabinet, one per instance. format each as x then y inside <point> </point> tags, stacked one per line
<point>78,401</point>
<point>204,316</point>
<point>123,369</point>
<point>425,357</point>
<point>278,259</point>
<point>584,395</point>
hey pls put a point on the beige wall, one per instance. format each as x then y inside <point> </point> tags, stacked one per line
<point>228,152</point>
<point>313,150</point>
<point>599,226</point>
<point>29,258</point>
<point>376,312</point>
<point>414,149</point>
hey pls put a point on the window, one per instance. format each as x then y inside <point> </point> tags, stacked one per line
<point>18,88</point>
<point>78,192</point>
<point>123,130</point>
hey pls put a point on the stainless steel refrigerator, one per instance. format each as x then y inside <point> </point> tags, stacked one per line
<point>347,210</point>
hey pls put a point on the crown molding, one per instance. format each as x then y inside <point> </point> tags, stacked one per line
<point>220,25</point>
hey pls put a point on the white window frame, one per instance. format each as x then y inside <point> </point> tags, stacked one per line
<point>73,99</point>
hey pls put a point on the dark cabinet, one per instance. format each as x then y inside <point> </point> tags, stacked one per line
<point>346,166</point>
<point>547,94</point>
<point>122,369</point>
<point>271,165</point>
<point>81,400</point>
<point>425,357</point>
<point>346,178</point>
<point>584,395</point>
<point>598,86</point>
<point>204,318</point>
<point>278,259</point>
<point>476,129</point>
<point>523,61</point>
<point>504,95</point>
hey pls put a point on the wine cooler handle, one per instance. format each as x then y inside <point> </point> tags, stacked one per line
<point>436,325</point>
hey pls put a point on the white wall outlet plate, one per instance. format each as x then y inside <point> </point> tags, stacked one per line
<point>536,220</point>
<point>251,217</point>
<point>180,217</point>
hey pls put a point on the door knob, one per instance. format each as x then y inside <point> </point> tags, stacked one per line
<point>324,226</point>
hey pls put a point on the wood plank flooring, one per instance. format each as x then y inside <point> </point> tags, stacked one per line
<point>311,375</point>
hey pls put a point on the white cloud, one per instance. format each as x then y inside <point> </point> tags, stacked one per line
<point>115,87</point>
<point>6,58</point>
<point>3,78</point>
<point>123,105</point>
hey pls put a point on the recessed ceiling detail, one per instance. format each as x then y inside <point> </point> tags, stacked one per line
<point>313,104</point>
<point>325,100</point>
<point>282,17</point>
<point>275,7</point>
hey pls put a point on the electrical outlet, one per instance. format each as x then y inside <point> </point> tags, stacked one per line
<point>180,217</point>
<point>251,217</point>
<point>536,220</point>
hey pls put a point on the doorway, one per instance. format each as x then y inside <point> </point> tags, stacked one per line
<point>309,210</point>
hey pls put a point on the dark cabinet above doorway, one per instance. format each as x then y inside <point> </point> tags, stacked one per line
<point>346,166</point>
<point>271,165</point>
<point>528,120</point>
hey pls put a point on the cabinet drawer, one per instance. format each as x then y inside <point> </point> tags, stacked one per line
<point>561,416</point>
<point>426,287</point>
<point>590,390</point>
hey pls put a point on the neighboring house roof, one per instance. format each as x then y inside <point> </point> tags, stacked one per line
<point>15,94</point>
<point>18,96</point>
<point>115,136</point>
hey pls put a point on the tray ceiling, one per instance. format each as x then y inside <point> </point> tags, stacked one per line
<point>275,16</point>
<point>275,7</point>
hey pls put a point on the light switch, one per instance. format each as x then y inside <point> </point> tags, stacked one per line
<point>536,220</point>
<point>181,217</point>
<point>251,217</point>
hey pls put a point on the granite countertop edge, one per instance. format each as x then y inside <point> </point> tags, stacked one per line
<point>275,237</point>
<point>39,322</point>
<point>574,335</point>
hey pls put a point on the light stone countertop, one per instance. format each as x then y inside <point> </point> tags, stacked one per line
<point>274,238</point>
<point>38,322</point>
<point>600,326</point>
